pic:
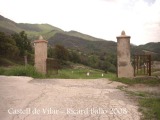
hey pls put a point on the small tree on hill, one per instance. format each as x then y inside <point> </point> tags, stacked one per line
<point>8,46</point>
<point>61,53</point>
<point>22,42</point>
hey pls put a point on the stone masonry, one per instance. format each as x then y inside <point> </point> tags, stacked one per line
<point>40,54</point>
<point>124,67</point>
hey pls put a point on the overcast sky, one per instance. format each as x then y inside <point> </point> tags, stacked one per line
<point>100,18</point>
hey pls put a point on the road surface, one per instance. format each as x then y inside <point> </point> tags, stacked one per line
<point>25,98</point>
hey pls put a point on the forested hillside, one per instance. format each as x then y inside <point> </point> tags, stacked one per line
<point>153,47</point>
<point>81,48</point>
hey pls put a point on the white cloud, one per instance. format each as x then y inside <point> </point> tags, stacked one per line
<point>100,18</point>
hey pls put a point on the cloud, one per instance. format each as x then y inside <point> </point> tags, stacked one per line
<point>100,18</point>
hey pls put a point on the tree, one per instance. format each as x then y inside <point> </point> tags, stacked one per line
<point>50,52</point>
<point>61,53</point>
<point>74,57</point>
<point>23,43</point>
<point>93,61</point>
<point>8,46</point>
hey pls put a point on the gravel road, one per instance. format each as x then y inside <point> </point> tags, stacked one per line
<point>25,98</point>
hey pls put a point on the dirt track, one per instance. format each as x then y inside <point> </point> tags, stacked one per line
<point>24,98</point>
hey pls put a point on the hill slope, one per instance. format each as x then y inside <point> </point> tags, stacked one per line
<point>84,36</point>
<point>153,47</point>
<point>83,45</point>
<point>33,30</point>
<point>72,39</point>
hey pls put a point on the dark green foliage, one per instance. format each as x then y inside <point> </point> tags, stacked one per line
<point>14,48</point>
<point>51,53</point>
<point>93,61</point>
<point>74,57</point>
<point>8,46</point>
<point>106,62</point>
<point>57,57</point>
<point>83,45</point>
<point>61,53</point>
<point>97,54</point>
<point>6,62</point>
<point>22,42</point>
<point>153,47</point>
<point>53,64</point>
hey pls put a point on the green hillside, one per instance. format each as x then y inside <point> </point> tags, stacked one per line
<point>5,30</point>
<point>81,35</point>
<point>83,45</point>
<point>153,47</point>
<point>72,39</point>
<point>84,49</point>
<point>9,25</point>
<point>33,30</point>
<point>37,27</point>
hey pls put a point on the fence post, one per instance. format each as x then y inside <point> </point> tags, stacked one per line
<point>149,65</point>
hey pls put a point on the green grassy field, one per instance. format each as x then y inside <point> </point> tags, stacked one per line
<point>21,71</point>
<point>63,73</point>
<point>81,74</point>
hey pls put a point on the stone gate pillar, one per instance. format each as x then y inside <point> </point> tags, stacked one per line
<point>124,67</point>
<point>40,54</point>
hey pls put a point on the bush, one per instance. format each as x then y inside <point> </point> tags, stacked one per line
<point>6,62</point>
<point>2,70</point>
<point>112,68</point>
<point>24,71</point>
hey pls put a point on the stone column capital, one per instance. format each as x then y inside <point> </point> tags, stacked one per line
<point>123,35</point>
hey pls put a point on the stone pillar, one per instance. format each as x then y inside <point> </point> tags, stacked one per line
<point>124,67</point>
<point>40,54</point>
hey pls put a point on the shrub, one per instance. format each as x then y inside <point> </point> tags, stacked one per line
<point>6,62</point>
<point>2,70</point>
<point>24,71</point>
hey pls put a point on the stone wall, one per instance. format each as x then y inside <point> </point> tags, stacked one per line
<point>40,55</point>
<point>124,67</point>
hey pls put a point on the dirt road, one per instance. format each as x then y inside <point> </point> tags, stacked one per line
<point>24,98</point>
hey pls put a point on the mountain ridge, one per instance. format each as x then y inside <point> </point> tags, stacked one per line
<point>34,30</point>
<point>70,39</point>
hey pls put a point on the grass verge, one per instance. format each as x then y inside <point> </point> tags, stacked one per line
<point>152,81</point>
<point>149,103</point>
<point>150,107</point>
<point>21,71</point>
<point>79,74</point>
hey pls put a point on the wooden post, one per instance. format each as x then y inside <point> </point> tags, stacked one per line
<point>149,65</point>
<point>144,64</point>
<point>137,63</point>
<point>25,60</point>
<point>134,65</point>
